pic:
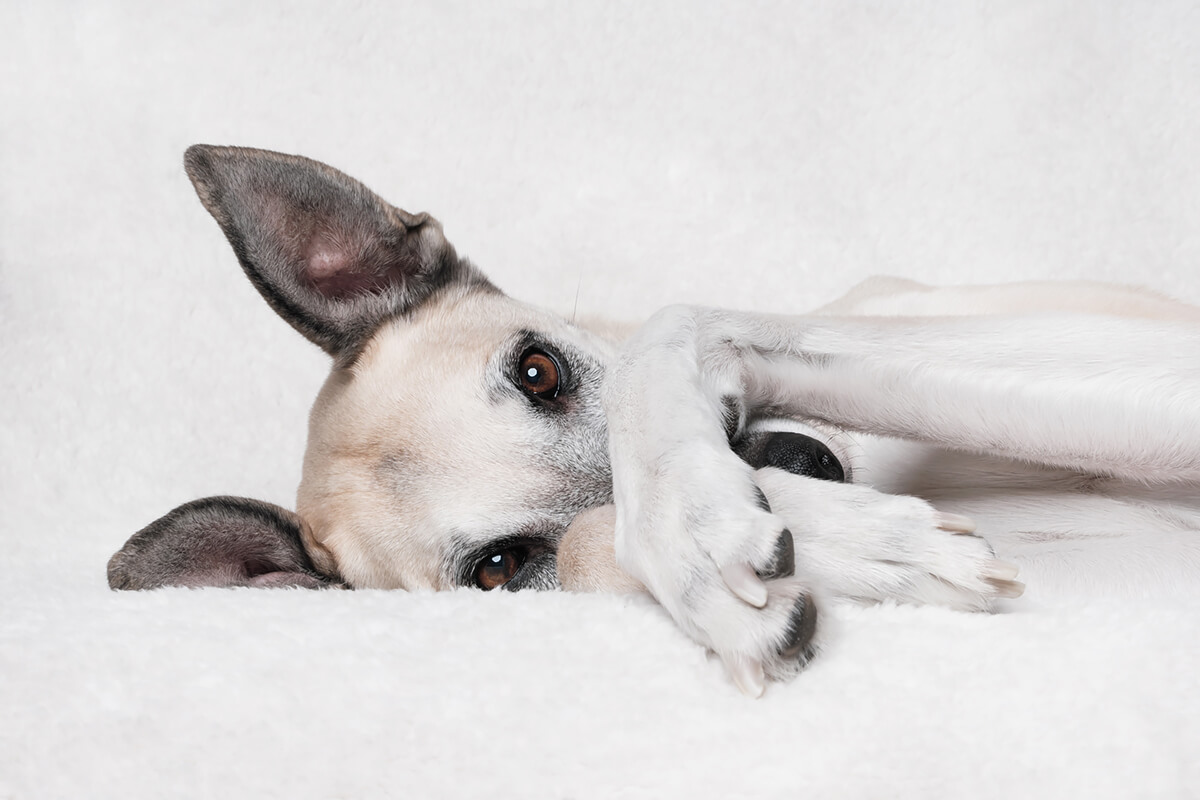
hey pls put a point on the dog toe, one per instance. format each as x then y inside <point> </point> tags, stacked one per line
<point>783,560</point>
<point>802,625</point>
<point>747,675</point>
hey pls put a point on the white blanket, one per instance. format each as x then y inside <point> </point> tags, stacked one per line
<point>600,158</point>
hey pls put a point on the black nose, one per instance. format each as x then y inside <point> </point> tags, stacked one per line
<point>794,452</point>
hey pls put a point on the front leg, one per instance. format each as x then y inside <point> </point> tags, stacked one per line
<point>691,525</point>
<point>1074,391</point>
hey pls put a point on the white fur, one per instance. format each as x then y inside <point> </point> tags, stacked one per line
<point>1070,403</point>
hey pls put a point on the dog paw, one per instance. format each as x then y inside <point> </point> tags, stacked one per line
<point>697,532</point>
<point>691,525</point>
<point>965,570</point>
<point>587,562</point>
<point>941,561</point>
<point>857,543</point>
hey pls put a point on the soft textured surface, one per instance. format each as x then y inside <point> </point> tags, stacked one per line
<point>609,156</point>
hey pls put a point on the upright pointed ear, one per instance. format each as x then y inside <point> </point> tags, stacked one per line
<point>330,256</point>
<point>217,541</point>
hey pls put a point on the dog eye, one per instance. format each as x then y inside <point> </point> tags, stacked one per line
<point>539,374</point>
<point>498,569</point>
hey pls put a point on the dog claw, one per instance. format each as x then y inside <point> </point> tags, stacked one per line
<point>747,675</point>
<point>1001,571</point>
<point>742,581</point>
<point>1000,576</point>
<point>955,523</point>
<point>1007,589</point>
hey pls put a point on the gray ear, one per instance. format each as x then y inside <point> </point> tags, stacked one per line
<point>330,256</point>
<point>217,541</point>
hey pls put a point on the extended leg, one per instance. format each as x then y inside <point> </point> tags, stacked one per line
<point>1107,395</point>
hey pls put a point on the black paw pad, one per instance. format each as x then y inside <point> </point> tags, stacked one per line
<point>783,560</point>
<point>802,625</point>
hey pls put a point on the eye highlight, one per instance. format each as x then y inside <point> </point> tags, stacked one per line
<point>497,569</point>
<point>539,374</point>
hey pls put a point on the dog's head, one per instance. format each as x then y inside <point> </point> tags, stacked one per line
<point>457,437</point>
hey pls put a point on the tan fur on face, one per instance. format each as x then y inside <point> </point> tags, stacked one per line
<point>406,447</point>
<point>587,561</point>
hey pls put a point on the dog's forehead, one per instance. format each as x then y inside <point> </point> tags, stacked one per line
<point>421,370</point>
<point>470,327</point>
<point>420,441</point>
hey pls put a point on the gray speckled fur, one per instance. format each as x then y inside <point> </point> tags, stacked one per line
<point>287,217</point>
<point>216,541</point>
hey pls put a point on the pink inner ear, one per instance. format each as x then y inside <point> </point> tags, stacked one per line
<point>338,253</point>
<point>324,264</point>
<point>329,255</point>
<point>338,267</point>
<point>333,273</point>
<point>336,275</point>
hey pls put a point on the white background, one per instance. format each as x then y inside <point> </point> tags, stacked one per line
<point>617,156</point>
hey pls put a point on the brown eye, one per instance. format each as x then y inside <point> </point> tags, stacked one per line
<point>538,374</point>
<point>497,569</point>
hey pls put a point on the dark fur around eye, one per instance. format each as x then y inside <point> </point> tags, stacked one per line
<point>540,371</point>
<point>515,569</point>
<point>497,569</point>
<point>509,562</point>
<point>538,573</point>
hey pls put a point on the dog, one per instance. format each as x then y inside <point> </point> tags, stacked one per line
<point>739,467</point>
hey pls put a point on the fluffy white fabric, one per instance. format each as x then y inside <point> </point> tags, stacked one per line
<point>609,158</point>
